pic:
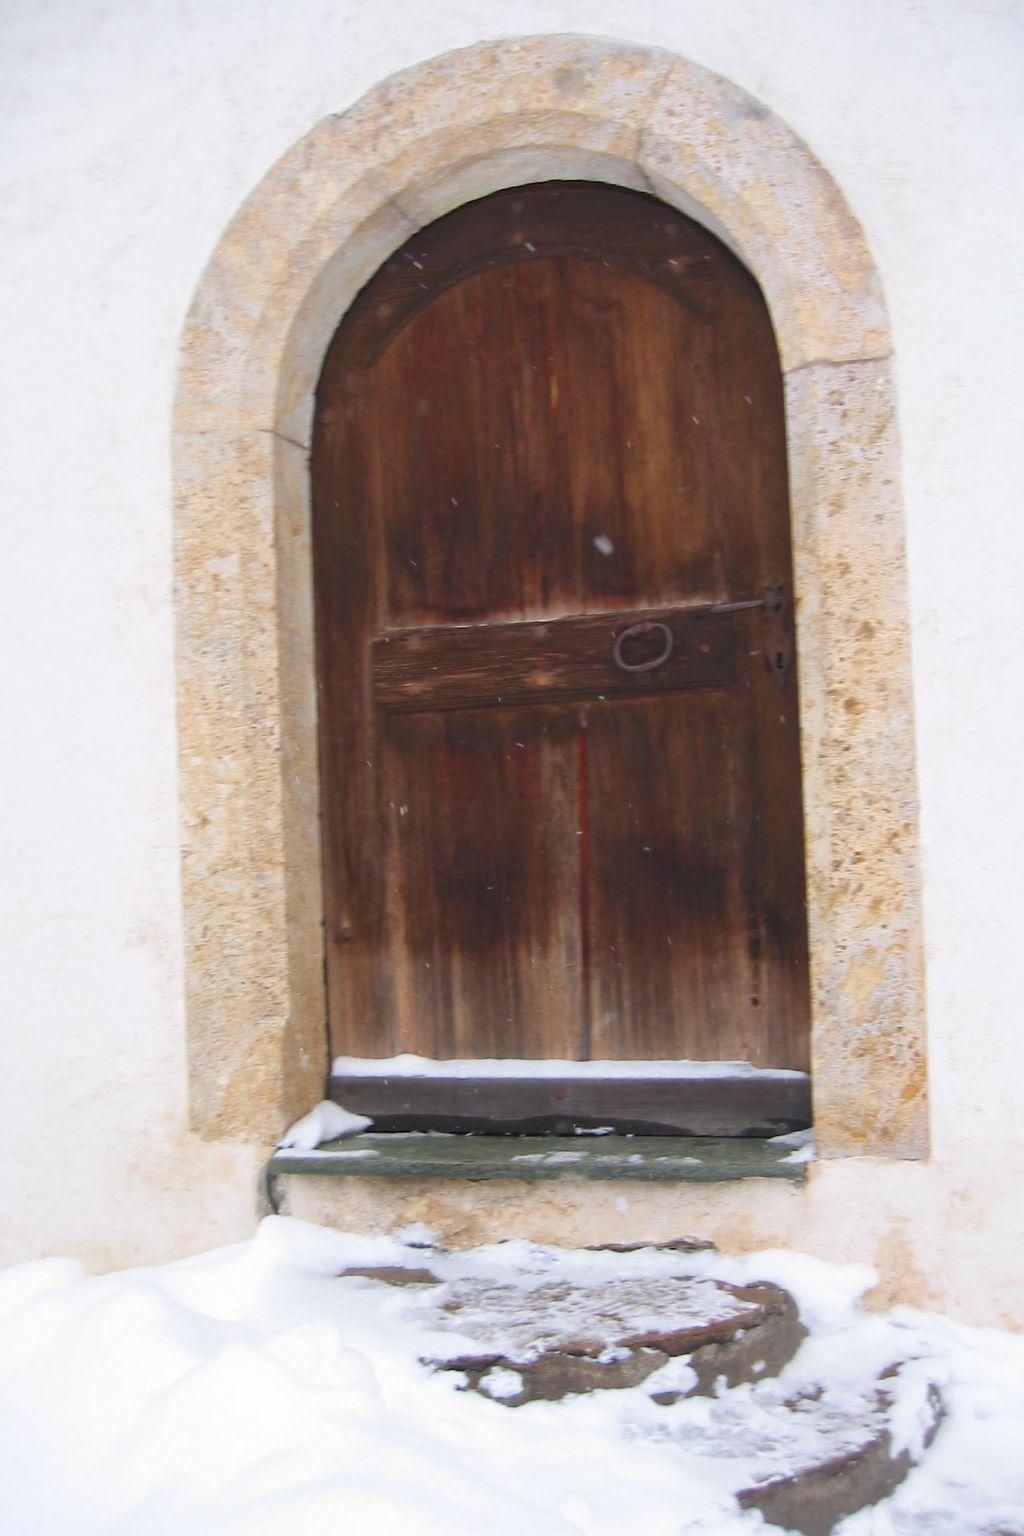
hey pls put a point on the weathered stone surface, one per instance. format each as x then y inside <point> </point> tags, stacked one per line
<point>391,1274</point>
<point>537,1159</point>
<point>805,1456</point>
<point>755,1332</point>
<point>815,1496</point>
<point>536,97</point>
<point>756,1349</point>
<point>234,883</point>
<point>726,159</point>
<point>549,1340</point>
<point>856,712</point>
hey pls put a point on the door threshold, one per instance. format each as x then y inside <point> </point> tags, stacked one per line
<point>643,1159</point>
<point>642,1100</point>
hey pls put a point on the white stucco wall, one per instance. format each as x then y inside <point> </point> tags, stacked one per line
<point>131,132</point>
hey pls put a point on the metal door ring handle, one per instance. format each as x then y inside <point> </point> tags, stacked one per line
<point>647,628</point>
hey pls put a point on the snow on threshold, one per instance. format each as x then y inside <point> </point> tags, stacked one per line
<point>250,1392</point>
<point>477,1067</point>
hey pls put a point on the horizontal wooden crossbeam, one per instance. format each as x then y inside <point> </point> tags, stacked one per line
<point>471,666</point>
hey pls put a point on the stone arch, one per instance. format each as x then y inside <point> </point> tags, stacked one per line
<point>299,249</point>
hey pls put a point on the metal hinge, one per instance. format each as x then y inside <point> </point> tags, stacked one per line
<point>770,600</point>
<point>778,647</point>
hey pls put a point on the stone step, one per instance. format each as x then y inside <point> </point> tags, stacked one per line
<point>807,1460</point>
<point>549,1340</point>
<point>568,1339</point>
<point>705,1354</point>
<point>533,1159</point>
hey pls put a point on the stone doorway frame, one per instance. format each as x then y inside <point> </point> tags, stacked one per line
<point>293,258</point>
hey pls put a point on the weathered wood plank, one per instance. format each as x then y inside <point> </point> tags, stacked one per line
<point>745,1104</point>
<point>479,665</point>
<point>670,974</point>
<point>485,922</point>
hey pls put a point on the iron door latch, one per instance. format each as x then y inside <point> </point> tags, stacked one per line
<point>778,640</point>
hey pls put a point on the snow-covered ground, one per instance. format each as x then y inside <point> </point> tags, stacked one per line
<point>250,1392</point>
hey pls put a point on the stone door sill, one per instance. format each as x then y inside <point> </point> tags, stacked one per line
<point>645,1159</point>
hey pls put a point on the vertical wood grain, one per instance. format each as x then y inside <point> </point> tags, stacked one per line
<point>485,888</point>
<point>559,400</point>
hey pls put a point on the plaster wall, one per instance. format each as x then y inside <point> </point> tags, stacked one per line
<point>133,132</point>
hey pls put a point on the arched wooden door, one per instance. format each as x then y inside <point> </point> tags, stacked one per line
<point>558,713</point>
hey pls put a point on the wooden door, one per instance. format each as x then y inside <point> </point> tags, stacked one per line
<point>559,763</point>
